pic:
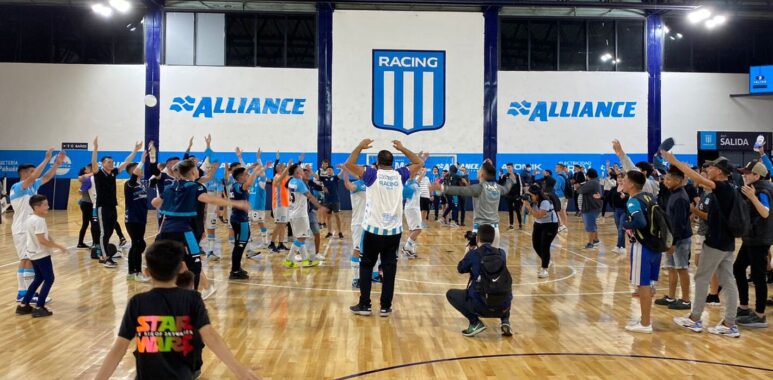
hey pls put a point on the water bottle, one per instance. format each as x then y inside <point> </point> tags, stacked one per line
<point>760,142</point>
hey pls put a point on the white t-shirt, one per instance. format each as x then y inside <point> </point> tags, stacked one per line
<point>34,226</point>
<point>299,204</point>
<point>20,200</point>
<point>411,195</point>
<point>384,200</point>
<point>358,202</point>
<point>424,186</point>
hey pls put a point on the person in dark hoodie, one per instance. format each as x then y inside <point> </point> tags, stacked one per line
<point>591,206</point>
<point>468,301</point>
<point>453,179</point>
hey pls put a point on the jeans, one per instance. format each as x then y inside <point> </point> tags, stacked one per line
<point>619,219</point>
<point>459,299</point>
<point>44,274</point>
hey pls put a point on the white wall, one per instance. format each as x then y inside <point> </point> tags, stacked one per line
<point>570,135</point>
<point>694,102</point>
<point>43,105</point>
<point>293,132</point>
<point>357,33</point>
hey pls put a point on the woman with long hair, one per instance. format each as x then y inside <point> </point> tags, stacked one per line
<point>541,207</point>
<point>86,205</point>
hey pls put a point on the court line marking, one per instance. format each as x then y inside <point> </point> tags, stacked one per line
<point>356,291</point>
<point>521,284</point>
<point>538,354</point>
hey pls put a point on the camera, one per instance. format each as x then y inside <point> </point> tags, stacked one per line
<point>526,197</point>
<point>472,239</point>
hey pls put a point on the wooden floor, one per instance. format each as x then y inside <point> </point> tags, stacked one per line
<point>295,324</point>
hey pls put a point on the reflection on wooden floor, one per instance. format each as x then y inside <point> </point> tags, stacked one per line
<point>293,324</point>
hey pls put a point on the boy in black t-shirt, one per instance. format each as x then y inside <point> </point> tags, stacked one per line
<point>170,325</point>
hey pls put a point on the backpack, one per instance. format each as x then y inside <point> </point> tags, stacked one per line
<point>568,189</point>
<point>96,252</point>
<point>658,235</point>
<point>739,218</point>
<point>494,283</point>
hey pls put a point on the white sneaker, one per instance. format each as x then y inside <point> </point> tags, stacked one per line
<point>563,229</point>
<point>206,293</point>
<point>453,225</point>
<point>298,258</point>
<point>721,329</point>
<point>686,322</point>
<point>543,273</point>
<point>318,257</point>
<point>139,277</point>
<point>638,328</point>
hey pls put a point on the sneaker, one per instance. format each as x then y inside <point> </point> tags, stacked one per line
<point>721,329</point>
<point>289,263</point>
<point>272,246</point>
<point>208,292</point>
<point>385,312</point>
<point>298,258</point>
<point>211,256</point>
<point>543,273</point>
<point>506,329</point>
<point>596,242</point>
<point>118,255</point>
<point>340,235</point>
<point>743,312</point>
<point>378,278</point>
<point>510,227</point>
<point>23,310</point>
<point>562,229</point>
<point>408,253</point>
<point>238,276</point>
<point>520,227</point>
<point>253,255</point>
<point>589,246</point>
<point>82,246</point>
<point>274,250</point>
<point>474,329</point>
<point>686,322</point>
<point>753,321</point>
<point>619,250</point>
<point>639,328</point>
<point>329,235</point>
<point>309,263</point>
<point>713,300</point>
<point>109,264</point>
<point>453,225</point>
<point>361,310</point>
<point>665,301</point>
<point>680,305</point>
<point>282,247</point>
<point>319,257</point>
<point>442,221</point>
<point>41,312</point>
<point>122,243</point>
<point>356,283</point>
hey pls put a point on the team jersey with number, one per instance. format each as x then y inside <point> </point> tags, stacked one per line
<point>20,200</point>
<point>411,194</point>
<point>299,203</point>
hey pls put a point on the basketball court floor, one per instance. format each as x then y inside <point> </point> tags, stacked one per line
<point>295,324</point>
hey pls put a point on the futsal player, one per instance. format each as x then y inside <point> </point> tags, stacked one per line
<point>258,207</point>
<point>280,202</point>
<point>411,194</point>
<point>136,215</point>
<point>357,196</point>
<point>299,197</point>
<point>240,220</point>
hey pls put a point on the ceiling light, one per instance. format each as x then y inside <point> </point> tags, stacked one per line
<point>122,6</point>
<point>719,19</point>
<point>102,10</point>
<point>665,29</point>
<point>698,15</point>
<point>679,35</point>
<point>606,57</point>
<point>710,24</point>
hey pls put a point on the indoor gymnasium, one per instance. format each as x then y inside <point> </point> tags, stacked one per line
<point>433,189</point>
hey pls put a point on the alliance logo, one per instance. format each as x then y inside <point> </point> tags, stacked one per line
<point>544,110</point>
<point>209,106</point>
<point>409,90</point>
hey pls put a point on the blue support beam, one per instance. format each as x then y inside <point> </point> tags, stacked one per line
<point>655,40</point>
<point>153,27</point>
<point>490,67</point>
<point>325,89</point>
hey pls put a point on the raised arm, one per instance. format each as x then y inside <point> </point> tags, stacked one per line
<point>52,171</point>
<point>239,156</point>
<point>257,169</point>
<point>94,154</point>
<point>138,170</point>
<point>624,159</point>
<point>416,161</point>
<point>187,153</point>
<point>130,158</point>
<point>38,170</point>
<point>687,170</point>
<point>351,162</point>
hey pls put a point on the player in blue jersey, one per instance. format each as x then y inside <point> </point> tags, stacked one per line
<point>240,220</point>
<point>136,214</point>
<point>258,209</point>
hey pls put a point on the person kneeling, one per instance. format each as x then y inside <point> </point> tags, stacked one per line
<point>489,292</point>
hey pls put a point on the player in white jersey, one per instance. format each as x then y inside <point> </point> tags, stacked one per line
<point>300,196</point>
<point>357,195</point>
<point>412,212</point>
<point>215,188</point>
<point>20,194</point>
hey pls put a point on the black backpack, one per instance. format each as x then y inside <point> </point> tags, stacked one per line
<point>568,189</point>
<point>494,283</point>
<point>657,235</point>
<point>96,251</point>
<point>739,218</point>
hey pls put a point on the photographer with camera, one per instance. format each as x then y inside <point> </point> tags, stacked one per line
<point>542,206</point>
<point>489,291</point>
<point>485,197</point>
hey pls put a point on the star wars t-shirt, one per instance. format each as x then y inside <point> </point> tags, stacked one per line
<point>165,324</point>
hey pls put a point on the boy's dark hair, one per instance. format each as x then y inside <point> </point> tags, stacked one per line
<point>674,171</point>
<point>37,199</point>
<point>185,280</point>
<point>637,178</point>
<point>174,158</point>
<point>234,165</point>
<point>488,170</point>
<point>385,158</point>
<point>130,168</point>
<point>548,171</point>
<point>292,169</point>
<point>184,167</point>
<point>592,173</point>
<point>164,259</point>
<point>560,165</point>
<point>645,167</point>
<point>486,233</point>
<point>106,158</point>
<point>237,172</point>
<point>82,171</point>
<point>24,167</point>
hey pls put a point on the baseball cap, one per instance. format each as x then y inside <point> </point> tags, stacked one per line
<point>721,163</point>
<point>756,167</point>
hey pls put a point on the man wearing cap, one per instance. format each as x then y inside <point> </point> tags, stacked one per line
<point>718,247</point>
<point>758,192</point>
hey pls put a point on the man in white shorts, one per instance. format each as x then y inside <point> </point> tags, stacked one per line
<point>300,196</point>
<point>28,185</point>
<point>280,201</point>
<point>357,195</point>
<point>412,212</point>
<point>214,188</point>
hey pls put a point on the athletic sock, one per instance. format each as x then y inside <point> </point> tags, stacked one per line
<point>210,243</point>
<point>22,283</point>
<point>309,252</point>
<point>264,233</point>
<point>297,247</point>
<point>29,276</point>
<point>355,267</point>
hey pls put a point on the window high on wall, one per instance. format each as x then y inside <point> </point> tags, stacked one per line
<point>69,34</point>
<point>271,40</point>
<point>571,44</point>
<point>731,48</point>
